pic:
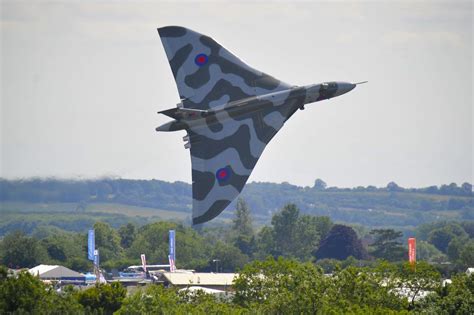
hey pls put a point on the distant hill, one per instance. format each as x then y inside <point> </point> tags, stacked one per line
<point>119,200</point>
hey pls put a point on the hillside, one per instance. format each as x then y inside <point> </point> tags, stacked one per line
<point>75,205</point>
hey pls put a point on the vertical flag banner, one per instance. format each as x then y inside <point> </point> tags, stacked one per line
<point>91,245</point>
<point>412,250</point>
<point>96,258</point>
<point>142,256</point>
<point>172,265</point>
<point>172,245</point>
<point>172,255</point>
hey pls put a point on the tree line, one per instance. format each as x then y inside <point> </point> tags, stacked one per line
<point>391,205</point>
<point>291,234</point>
<point>271,286</point>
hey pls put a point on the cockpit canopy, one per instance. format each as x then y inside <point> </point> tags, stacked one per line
<point>328,85</point>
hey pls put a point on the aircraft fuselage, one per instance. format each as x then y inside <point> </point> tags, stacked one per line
<point>189,118</point>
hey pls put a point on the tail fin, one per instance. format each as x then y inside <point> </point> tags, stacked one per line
<point>172,112</point>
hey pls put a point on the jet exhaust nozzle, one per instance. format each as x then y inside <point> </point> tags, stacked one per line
<point>169,126</point>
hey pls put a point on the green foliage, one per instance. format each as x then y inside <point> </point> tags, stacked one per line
<point>442,236</point>
<point>107,240</point>
<point>102,298</point>
<point>289,228</point>
<point>386,245</point>
<point>284,225</point>
<point>319,184</point>
<point>229,257</point>
<point>427,252</point>
<point>466,255</point>
<point>154,299</point>
<point>454,298</point>
<point>242,223</point>
<point>157,300</point>
<point>25,293</point>
<point>19,251</point>
<point>287,287</point>
<point>389,206</point>
<point>417,278</point>
<point>341,243</point>
<point>458,298</point>
<point>127,234</point>
<point>191,248</point>
<point>66,249</point>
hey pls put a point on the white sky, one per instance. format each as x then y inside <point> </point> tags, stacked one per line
<point>81,83</point>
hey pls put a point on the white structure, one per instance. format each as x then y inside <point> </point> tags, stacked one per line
<point>57,273</point>
<point>205,290</point>
<point>470,271</point>
<point>218,281</point>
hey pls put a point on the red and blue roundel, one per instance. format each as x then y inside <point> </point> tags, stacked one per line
<point>223,174</point>
<point>201,59</point>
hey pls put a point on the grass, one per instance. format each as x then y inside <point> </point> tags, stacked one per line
<point>110,208</point>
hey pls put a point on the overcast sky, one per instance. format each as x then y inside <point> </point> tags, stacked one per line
<point>81,83</point>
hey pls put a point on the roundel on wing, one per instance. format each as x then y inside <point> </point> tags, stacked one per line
<point>201,59</point>
<point>223,174</point>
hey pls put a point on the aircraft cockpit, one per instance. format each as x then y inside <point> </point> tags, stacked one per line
<point>328,85</point>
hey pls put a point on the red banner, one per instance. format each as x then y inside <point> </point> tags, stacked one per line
<point>412,250</point>
<point>142,256</point>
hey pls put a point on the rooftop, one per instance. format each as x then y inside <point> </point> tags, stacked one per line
<point>201,278</point>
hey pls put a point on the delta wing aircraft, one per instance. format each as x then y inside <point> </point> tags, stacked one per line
<point>230,112</point>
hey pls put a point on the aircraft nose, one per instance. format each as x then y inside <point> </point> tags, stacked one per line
<point>344,87</point>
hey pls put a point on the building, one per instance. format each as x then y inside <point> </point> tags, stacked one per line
<point>216,281</point>
<point>56,273</point>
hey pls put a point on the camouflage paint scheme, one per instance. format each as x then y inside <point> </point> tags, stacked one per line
<point>230,112</point>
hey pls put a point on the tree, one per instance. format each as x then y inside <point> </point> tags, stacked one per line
<point>229,258</point>
<point>393,187</point>
<point>127,234</point>
<point>107,241</point>
<point>242,223</point>
<point>21,251</point>
<point>284,225</point>
<point>26,294</point>
<point>468,226</point>
<point>457,297</point>
<point>319,185</point>
<point>427,252</point>
<point>418,278</point>
<point>454,248</point>
<point>192,250</point>
<point>265,244</point>
<point>21,293</point>
<point>287,287</point>
<point>386,244</point>
<point>309,232</point>
<point>341,243</point>
<point>467,188</point>
<point>440,238</point>
<point>155,299</point>
<point>466,255</point>
<point>103,298</point>
<point>280,286</point>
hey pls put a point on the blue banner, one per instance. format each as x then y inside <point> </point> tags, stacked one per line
<point>91,245</point>
<point>96,258</point>
<point>172,245</point>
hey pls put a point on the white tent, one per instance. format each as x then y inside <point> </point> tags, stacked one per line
<point>56,272</point>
